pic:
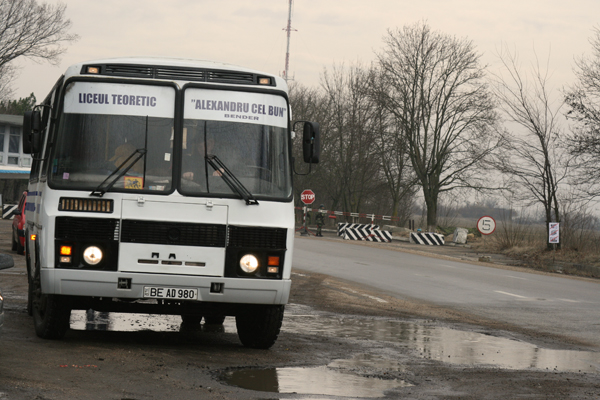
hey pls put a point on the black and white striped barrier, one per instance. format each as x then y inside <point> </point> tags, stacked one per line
<point>342,226</point>
<point>7,210</point>
<point>429,238</point>
<point>367,234</point>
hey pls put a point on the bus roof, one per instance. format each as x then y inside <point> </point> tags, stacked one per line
<point>174,69</point>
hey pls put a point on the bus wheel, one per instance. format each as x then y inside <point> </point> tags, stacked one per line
<point>51,314</point>
<point>214,319</point>
<point>259,326</point>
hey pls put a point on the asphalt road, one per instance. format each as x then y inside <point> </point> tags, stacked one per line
<point>553,304</point>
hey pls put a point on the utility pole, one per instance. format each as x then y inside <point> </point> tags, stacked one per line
<point>287,53</point>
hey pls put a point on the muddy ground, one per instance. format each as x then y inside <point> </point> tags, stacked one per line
<point>168,364</point>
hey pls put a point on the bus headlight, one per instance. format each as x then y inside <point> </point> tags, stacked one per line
<point>92,255</point>
<point>249,263</point>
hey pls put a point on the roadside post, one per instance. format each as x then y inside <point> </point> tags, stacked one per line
<point>554,234</point>
<point>308,197</point>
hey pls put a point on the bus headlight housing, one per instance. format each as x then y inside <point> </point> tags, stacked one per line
<point>249,263</point>
<point>92,255</point>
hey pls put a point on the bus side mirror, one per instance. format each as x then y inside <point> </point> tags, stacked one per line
<point>311,142</point>
<point>32,136</point>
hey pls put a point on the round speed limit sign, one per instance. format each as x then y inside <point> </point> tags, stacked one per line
<point>486,225</point>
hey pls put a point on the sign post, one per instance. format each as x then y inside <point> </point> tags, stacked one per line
<point>308,197</point>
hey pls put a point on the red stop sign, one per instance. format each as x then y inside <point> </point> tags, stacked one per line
<point>307,196</point>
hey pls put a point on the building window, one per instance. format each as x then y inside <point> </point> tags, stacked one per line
<point>13,143</point>
<point>11,152</point>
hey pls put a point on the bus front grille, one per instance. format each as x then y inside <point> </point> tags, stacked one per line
<point>77,229</point>
<point>173,233</point>
<point>257,237</point>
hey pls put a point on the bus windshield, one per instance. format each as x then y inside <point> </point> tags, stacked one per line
<point>102,125</point>
<point>248,134</point>
<point>105,127</point>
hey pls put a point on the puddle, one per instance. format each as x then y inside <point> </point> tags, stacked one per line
<point>430,342</point>
<point>449,345</point>
<point>322,381</point>
<point>123,322</point>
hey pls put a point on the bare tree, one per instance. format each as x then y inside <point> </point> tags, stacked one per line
<point>32,30</point>
<point>535,155</point>
<point>7,74</point>
<point>398,175</point>
<point>583,100</point>
<point>351,160</point>
<point>363,166</point>
<point>440,101</point>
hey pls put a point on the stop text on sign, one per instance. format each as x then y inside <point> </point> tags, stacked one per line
<point>307,196</point>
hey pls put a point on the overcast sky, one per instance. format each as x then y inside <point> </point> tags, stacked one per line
<point>328,32</point>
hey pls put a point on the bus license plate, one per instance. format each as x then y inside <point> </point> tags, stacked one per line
<point>156,292</point>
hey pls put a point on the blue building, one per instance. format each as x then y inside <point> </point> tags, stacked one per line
<point>14,164</point>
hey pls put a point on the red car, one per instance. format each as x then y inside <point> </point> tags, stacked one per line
<point>18,226</point>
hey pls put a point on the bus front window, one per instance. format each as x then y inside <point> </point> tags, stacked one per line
<point>95,139</point>
<point>253,148</point>
<point>255,154</point>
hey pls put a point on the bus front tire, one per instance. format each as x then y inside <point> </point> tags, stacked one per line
<point>51,314</point>
<point>259,326</point>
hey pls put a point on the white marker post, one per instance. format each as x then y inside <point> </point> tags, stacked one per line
<point>554,233</point>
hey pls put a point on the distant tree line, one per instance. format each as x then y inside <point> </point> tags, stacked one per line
<point>428,118</point>
<point>18,107</point>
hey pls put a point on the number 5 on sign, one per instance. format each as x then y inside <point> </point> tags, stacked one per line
<point>486,225</point>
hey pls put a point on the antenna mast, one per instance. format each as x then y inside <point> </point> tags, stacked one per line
<point>287,53</point>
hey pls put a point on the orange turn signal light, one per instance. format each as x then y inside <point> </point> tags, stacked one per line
<point>65,250</point>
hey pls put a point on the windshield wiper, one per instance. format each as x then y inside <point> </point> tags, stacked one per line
<point>99,192</point>
<point>231,180</point>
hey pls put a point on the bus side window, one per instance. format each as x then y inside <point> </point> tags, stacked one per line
<point>51,128</point>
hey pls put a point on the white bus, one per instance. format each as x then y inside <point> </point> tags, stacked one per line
<point>163,186</point>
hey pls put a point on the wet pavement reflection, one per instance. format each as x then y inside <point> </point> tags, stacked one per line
<point>426,340</point>
<point>322,380</point>
<point>451,345</point>
<point>122,322</point>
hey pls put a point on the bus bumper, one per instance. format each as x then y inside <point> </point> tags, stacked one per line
<point>131,286</point>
